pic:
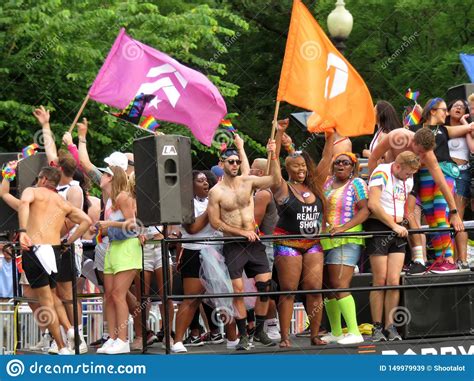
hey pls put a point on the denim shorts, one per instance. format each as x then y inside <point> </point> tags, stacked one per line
<point>463,184</point>
<point>347,254</point>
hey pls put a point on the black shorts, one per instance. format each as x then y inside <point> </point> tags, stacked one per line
<point>190,263</point>
<point>88,251</point>
<point>383,245</point>
<point>65,272</point>
<point>34,270</point>
<point>248,256</point>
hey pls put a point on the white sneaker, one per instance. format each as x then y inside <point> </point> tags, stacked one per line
<point>178,347</point>
<point>44,343</point>
<point>65,351</point>
<point>83,346</point>
<point>330,338</point>
<point>232,344</point>
<point>70,340</point>
<point>106,345</point>
<point>350,338</point>
<point>53,349</point>
<point>119,346</point>
<point>272,329</point>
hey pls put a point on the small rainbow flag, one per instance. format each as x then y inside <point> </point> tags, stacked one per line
<point>150,124</point>
<point>29,150</point>
<point>413,117</point>
<point>413,95</point>
<point>98,237</point>
<point>228,124</point>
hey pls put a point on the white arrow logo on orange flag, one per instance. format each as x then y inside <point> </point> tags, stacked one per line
<point>337,83</point>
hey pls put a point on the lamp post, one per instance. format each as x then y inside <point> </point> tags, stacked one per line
<point>340,23</point>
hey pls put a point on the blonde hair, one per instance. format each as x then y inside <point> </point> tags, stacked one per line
<point>132,185</point>
<point>470,98</point>
<point>119,184</point>
<point>408,159</point>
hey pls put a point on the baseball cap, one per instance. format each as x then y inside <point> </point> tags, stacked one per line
<point>106,170</point>
<point>228,153</point>
<point>117,159</point>
<point>218,171</point>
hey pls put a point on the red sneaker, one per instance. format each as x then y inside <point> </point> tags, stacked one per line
<point>444,267</point>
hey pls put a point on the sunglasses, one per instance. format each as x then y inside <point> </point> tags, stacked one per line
<point>232,162</point>
<point>444,109</point>
<point>345,163</point>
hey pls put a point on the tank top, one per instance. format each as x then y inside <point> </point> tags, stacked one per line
<point>458,148</point>
<point>441,150</point>
<point>62,191</point>
<point>297,217</point>
<point>270,217</point>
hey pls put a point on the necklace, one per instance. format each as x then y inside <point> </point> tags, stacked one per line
<point>304,194</point>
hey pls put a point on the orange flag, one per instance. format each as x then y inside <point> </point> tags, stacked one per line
<point>315,76</point>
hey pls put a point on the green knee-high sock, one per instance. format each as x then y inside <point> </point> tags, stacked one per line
<point>348,310</point>
<point>334,316</point>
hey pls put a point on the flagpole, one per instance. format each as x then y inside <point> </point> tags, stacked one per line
<point>86,99</point>
<point>272,135</point>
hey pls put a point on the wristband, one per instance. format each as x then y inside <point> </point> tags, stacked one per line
<point>21,230</point>
<point>453,211</point>
<point>82,140</point>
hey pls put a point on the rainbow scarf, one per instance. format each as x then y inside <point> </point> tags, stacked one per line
<point>149,124</point>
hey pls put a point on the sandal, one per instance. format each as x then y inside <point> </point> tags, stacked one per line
<point>285,343</point>
<point>316,340</point>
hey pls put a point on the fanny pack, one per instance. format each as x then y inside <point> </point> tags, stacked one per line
<point>450,169</point>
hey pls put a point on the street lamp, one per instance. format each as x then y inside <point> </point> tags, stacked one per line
<point>340,23</point>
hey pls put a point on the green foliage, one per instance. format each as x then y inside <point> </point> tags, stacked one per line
<point>53,49</point>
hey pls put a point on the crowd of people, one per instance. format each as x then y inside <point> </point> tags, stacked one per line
<point>417,175</point>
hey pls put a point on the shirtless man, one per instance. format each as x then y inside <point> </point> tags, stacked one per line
<point>42,214</point>
<point>422,144</point>
<point>231,210</point>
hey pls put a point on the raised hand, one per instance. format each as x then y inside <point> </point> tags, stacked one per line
<point>238,142</point>
<point>67,139</point>
<point>82,128</point>
<point>42,115</point>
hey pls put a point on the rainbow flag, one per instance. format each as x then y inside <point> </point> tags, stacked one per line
<point>98,237</point>
<point>150,124</point>
<point>413,95</point>
<point>413,117</point>
<point>228,124</point>
<point>29,150</point>
<point>133,112</point>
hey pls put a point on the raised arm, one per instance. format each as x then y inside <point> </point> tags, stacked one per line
<point>324,166</point>
<point>27,198</point>
<point>431,163</point>
<point>460,131</point>
<point>239,144</point>
<point>89,168</point>
<point>9,199</point>
<point>274,178</point>
<point>72,148</point>
<point>42,115</point>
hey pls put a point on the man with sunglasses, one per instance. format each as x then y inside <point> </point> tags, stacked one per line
<point>231,210</point>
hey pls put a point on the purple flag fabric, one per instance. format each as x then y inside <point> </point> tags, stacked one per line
<point>182,95</point>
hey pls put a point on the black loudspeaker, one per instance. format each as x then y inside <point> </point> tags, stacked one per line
<point>460,92</point>
<point>163,175</point>
<point>361,298</point>
<point>26,173</point>
<point>438,311</point>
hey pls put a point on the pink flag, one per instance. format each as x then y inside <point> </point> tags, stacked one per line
<point>182,95</point>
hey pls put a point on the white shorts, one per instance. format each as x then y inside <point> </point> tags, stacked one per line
<point>153,258</point>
